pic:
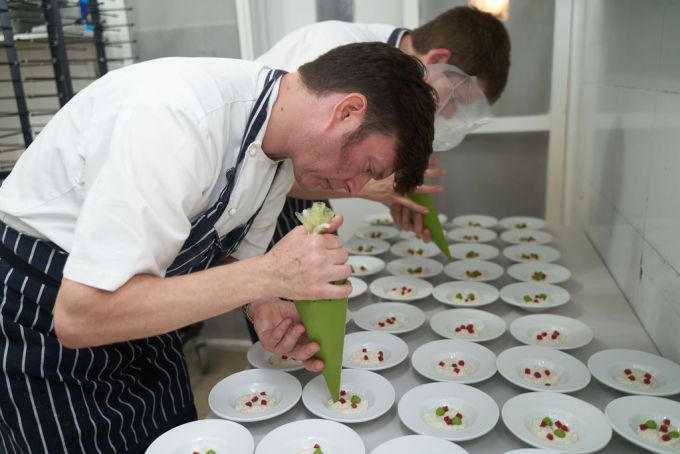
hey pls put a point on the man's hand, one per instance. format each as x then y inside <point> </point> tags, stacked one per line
<point>277,324</point>
<point>304,267</point>
<point>407,214</point>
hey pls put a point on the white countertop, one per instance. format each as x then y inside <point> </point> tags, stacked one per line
<point>595,300</point>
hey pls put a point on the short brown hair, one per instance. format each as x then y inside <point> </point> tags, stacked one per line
<point>478,42</point>
<point>400,103</point>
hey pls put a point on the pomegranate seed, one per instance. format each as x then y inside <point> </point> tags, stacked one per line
<point>343,392</point>
<point>539,337</point>
<point>547,372</point>
<point>263,402</point>
<point>648,375</point>
<point>365,357</point>
<point>284,356</point>
<point>667,421</point>
<point>527,370</point>
<point>255,399</point>
<point>663,428</point>
<point>249,404</point>
<point>457,330</point>
<point>317,446</point>
<point>459,415</point>
<point>548,384</point>
<point>262,393</point>
<point>470,326</point>
<point>550,436</point>
<point>354,405</point>
<point>643,426</point>
<point>543,424</point>
<point>364,350</point>
<point>544,333</point>
<point>342,401</point>
<point>446,408</point>
<point>647,381</point>
<point>631,377</point>
<point>666,437</point>
<point>558,424</point>
<point>381,324</point>
<point>627,371</point>
<point>537,374</point>
<point>456,370</point>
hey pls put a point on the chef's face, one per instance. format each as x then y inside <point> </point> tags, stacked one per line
<point>346,164</point>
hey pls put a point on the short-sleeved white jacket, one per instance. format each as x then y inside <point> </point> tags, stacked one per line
<point>117,176</point>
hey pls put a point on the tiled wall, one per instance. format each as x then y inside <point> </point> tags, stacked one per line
<point>628,145</point>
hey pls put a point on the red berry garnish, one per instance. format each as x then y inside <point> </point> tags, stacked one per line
<point>262,393</point>
<point>249,404</point>
<point>527,370</point>
<point>263,402</point>
<point>537,374</point>
<point>667,421</point>
<point>441,363</point>
<point>643,426</point>
<point>663,428</point>
<point>631,377</point>
<point>666,437</point>
<point>461,362</point>
<point>317,446</point>
<point>627,371</point>
<point>343,392</point>
<point>550,436</point>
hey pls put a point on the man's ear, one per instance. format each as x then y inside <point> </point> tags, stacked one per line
<point>437,55</point>
<point>350,110</point>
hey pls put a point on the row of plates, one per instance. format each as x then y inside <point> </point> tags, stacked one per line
<point>466,294</point>
<point>471,221</point>
<point>480,414</point>
<point>460,235</point>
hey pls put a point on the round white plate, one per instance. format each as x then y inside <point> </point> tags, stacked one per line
<point>607,365</point>
<point>460,270</point>
<point>531,237</point>
<point>285,388</point>
<point>415,249</point>
<point>365,265</point>
<point>527,272</point>
<point>486,325</point>
<point>367,247</point>
<point>475,221</point>
<point>530,451</point>
<point>455,293</point>
<point>410,235</point>
<point>375,389</point>
<point>473,251</point>
<point>408,317</point>
<point>376,232</point>
<point>522,223</point>
<point>478,362</point>
<point>548,330</point>
<point>410,444</point>
<point>480,412</point>
<point>413,267</point>
<point>471,235</point>
<point>358,287</point>
<point>262,359</point>
<point>531,253</point>
<point>297,436</point>
<point>379,219</point>
<point>383,286</point>
<point>393,348</point>
<point>570,373</point>
<point>627,413</point>
<point>516,293</point>
<point>590,425</point>
<point>202,435</point>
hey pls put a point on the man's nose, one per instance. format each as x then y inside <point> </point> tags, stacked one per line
<point>355,184</point>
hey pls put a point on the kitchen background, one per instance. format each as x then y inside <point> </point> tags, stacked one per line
<point>586,133</point>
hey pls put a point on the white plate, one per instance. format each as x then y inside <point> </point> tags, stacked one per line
<point>294,437</point>
<point>449,293</point>
<point>607,365</point>
<point>375,389</point>
<point>471,235</point>
<point>526,272</point>
<point>415,249</point>
<point>428,267</point>
<point>531,237</point>
<point>627,413</point>
<point>531,253</point>
<point>376,232</point>
<point>460,269</point>
<point>475,221</point>
<point>477,361</point>
<point>262,359</point>
<point>589,424</point>
<point>515,294</point>
<point>408,317</point>
<point>522,223</point>
<point>358,287</point>
<point>570,333</point>
<point>530,451</point>
<point>367,247</point>
<point>393,348</point>
<point>410,444</point>
<point>487,326</point>
<point>382,287</point>
<point>379,219</point>
<point>217,434</point>
<point>568,374</point>
<point>285,388</point>
<point>411,235</point>
<point>365,265</point>
<point>473,251</point>
<point>478,409</point>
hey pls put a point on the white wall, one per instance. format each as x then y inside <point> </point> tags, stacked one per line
<point>627,159</point>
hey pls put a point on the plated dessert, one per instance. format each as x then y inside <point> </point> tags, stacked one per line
<point>550,330</point>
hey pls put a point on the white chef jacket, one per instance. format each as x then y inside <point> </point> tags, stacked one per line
<point>307,43</point>
<point>120,172</point>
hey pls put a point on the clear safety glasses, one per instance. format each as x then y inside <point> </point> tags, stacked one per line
<point>461,105</point>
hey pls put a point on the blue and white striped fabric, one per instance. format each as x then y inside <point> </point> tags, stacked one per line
<point>112,399</point>
<point>287,220</point>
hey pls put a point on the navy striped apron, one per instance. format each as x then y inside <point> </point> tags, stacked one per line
<point>287,220</point>
<point>112,399</point>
